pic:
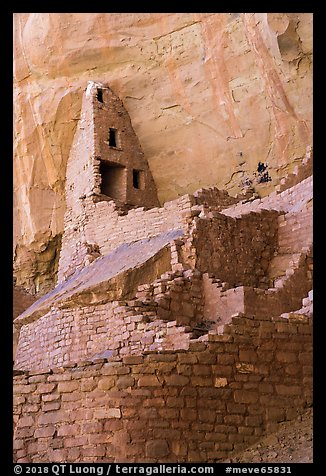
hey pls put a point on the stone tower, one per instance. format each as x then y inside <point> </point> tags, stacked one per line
<point>106,160</point>
<point>106,172</point>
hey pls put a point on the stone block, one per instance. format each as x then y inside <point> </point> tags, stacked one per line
<point>222,370</point>
<point>93,451</point>
<point>206,415</point>
<point>189,414</point>
<point>46,407</point>
<point>244,368</point>
<point>201,370</point>
<point>132,359</point>
<point>88,384</point>
<point>247,356</point>
<point>157,449</point>
<point>169,413</point>
<point>22,389</point>
<point>188,358</point>
<point>245,396</point>
<point>25,421</point>
<point>18,444</point>
<point>53,417</point>
<point>275,414</point>
<point>67,429</point>
<point>149,381</point>
<point>254,420</point>
<point>233,419</point>
<point>64,387</point>
<point>106,413</point>
<point>288,390</point>
<point>176,380</point>
<point>305,358</point>
<point>125,381</point>
<point>18,400</point>
<point>31,408</point>
<point>76,441</point>
<point>59,455</point>
<point>220,382</point>
<point>169,356</point>
<point>201,381</point>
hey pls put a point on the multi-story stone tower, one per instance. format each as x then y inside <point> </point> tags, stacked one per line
<point>106,159</point>
<point>106,164</point>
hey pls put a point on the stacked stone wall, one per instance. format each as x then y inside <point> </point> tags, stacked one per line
<point>236,250</point>
<point>101,223</point>
<point>295,197</point>
<point>197,405</point>
<point>158,321</point>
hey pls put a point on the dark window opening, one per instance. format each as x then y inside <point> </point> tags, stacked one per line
<point>113,180</point>
<point>112,137</point>
<point>99,95</point>
<point>138,179</point>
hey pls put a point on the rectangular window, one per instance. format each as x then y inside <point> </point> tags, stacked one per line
<point>112,137</point>
<point>138,179</point>
<point>99,95</point>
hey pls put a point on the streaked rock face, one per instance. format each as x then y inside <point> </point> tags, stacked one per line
<point>209,96</point>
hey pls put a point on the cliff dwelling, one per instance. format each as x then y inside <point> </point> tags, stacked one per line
<point>178,330</point>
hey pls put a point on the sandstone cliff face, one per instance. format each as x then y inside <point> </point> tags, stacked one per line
<point>209,96</point>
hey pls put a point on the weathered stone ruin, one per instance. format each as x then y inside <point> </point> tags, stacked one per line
<point>175,334</point>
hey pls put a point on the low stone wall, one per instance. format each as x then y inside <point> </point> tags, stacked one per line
<point>174,406</point>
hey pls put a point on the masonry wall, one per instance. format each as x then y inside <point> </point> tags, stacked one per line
<point>111,114</point>
<point>236,250</point>
<point>69,334</point>
<point>292,288</point>
<point>177,406</point>
<point>101,223</point>
<point>214,198</point>
<point>296,230</point>
<point>296,197</point>
<point>89,222</point>
<point>301,172</point>
<point>221,302</point>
